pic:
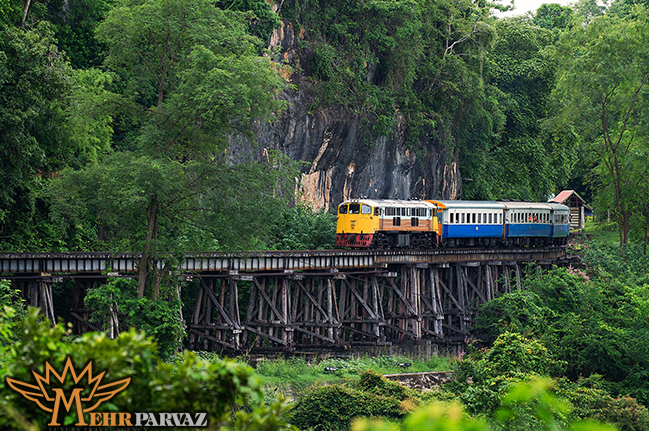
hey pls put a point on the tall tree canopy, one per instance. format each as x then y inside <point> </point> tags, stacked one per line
<point>522,67</point>
<point>35,85</point>
<point>188,77</point>
<point>604,91</point>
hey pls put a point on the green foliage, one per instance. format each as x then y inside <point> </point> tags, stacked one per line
<point>294,375</point>
<point>593,322</point>
<point>602,94</point>
<point>525,162</point>
<point>10,12</point>
<point>220,388</point>
<point>590,402</point>
<point>35,82</point>
<point>553,16</point>
<point>333,407</point>
<point>208,84</point>
<point>185,79</point>
<point>12,312</point>
<point>158,319</point>
<point>89,117</point>
<point>512,353</point>
<point>75,23</point>
<point>374,383</point>
<point>486,376</point>
<point>521,311</point>
<point>261,18</point>
<point>385,60</point>
<point>298,227</point>
<point>525,406</point>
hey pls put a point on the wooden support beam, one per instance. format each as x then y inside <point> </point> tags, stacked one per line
<point>263,334</point>
<point>85,322</point>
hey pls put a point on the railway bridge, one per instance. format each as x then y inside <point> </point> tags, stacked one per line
<point>303,299</point>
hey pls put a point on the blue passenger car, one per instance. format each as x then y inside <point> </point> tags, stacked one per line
<point>463,222</point>
<point>527,219</point>
<point>530,223</point>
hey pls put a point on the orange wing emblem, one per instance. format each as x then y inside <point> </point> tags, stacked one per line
<point>96,394</point>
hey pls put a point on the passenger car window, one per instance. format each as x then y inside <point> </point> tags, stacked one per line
<point>342,209</point>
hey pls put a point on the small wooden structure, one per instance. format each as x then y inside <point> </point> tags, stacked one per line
<point>577,206</point>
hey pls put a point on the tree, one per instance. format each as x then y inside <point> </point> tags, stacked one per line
<point>553,16</point>
<point>640,193</point>
<point>189,78</point>
<point>75,22</point>
<point>605,98</point>
<point>35,85</point>
<point>521,163</point>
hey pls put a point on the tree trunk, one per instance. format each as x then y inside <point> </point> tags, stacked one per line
<point>25,11</point>
<point>145,259</point>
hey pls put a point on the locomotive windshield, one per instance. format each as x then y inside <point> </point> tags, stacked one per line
<point>354,208</point>
<point>342,209</point>
<point>366,209</point>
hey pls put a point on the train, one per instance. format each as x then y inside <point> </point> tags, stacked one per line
<point>427,224</point>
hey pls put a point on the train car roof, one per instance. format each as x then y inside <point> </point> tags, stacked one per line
<point>559,207</point>
<point>469,204</point>
<point>530,206</point>
<point>391,203</point>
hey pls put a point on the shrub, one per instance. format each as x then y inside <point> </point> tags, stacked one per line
<point>188,384</point>
<point>376,384</point>
<point>331,408</point>
<point>521,311</point>
<point>590,402</point>
<point>159,319</point>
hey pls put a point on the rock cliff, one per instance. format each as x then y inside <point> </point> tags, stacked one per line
<point>342,164</point>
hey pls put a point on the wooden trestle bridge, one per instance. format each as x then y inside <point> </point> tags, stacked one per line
<point>295,299</point>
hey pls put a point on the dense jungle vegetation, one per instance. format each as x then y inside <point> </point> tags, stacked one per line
<point>569,351</point>
<point>115,120</point>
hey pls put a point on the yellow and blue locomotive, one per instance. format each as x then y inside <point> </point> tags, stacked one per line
<point>390,223</point>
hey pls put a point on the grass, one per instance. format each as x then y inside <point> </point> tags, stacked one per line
<point>598,232</point>
<point>294,375</point>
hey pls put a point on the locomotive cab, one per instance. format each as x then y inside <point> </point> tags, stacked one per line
<point>357,223</point>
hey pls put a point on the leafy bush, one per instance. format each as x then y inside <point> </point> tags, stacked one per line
<point>513,353</point>
<point>301,228</point>
<point>188,384</point>
<point>521,311</point>
<point>485,376</point>
<point>159,319</point>
<point>526,406</point>
<point>332,408</point>
<point>592,322</point>
<point>588,401</point>
<point>12,311</point>
<point>379,385</point>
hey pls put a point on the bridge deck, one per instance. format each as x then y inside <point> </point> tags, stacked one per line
<point>212,263</point>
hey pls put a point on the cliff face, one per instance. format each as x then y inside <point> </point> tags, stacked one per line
<point>342,164</point>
